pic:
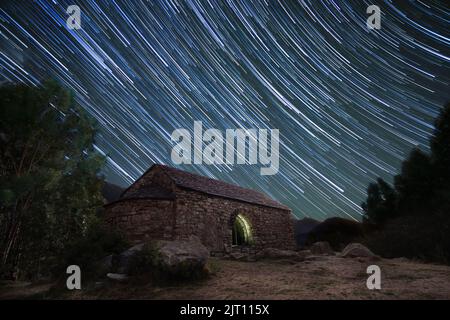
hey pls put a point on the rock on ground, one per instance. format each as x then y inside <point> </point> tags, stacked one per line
<point>272,253</point>
<point>183,257</point>
<point>123,260</point>
<point>356,250</point>
<point>237,256</point>
<point>117,276</point>
<point>177,256</point>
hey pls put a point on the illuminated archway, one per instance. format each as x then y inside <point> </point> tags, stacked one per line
<point>242,231</point>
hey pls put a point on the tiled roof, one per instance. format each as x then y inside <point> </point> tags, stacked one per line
<point>150,191</point>
<point>209,186</point>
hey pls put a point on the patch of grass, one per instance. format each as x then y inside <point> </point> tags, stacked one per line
<point>213,267</point>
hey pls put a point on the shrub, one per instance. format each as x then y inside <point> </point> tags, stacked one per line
<point>338,232</point>
<point>145,262</point>
<point>415,237</point>
<point>212,267</point>
<point>86,252</point>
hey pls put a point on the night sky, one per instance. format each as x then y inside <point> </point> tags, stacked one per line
<point>350,103</point>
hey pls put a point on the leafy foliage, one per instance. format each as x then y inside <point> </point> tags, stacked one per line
<point>440,142</point>
<point>146,261</point>
<point>414,185</point>
<point>381,202</point>
<point>440,155</point>
<point>87,251</point>
<point>49,175</point>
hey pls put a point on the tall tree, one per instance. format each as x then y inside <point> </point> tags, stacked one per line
<point>415,184</point>
<point>440,157</point>
<point>440,141</point>
<point>50,186</point>
<point>423,203</point>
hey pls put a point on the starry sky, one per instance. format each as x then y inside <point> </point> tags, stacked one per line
<point>350,103</point>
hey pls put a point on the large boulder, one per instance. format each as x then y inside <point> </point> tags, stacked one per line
<point>322,247</point>
<point>275,254</point>
<point>182,257</point>
<point>357,250</point>
<point>177,257</point>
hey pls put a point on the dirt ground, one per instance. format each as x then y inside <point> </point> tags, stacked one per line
<point>320,277</point>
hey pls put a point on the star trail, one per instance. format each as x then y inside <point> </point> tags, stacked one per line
<point>350,103</point>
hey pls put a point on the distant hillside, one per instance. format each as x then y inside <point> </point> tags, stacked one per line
<point>111,192</point>
<point>337,231</point>
<point>302,228</point>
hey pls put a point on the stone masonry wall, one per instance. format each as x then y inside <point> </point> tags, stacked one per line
<point>142,219</point>
<point>211,219</point>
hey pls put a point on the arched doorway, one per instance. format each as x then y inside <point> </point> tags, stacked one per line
<point>242,231</point>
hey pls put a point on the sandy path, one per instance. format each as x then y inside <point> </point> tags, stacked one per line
<point>320,277</point>
<point>324,278</point>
